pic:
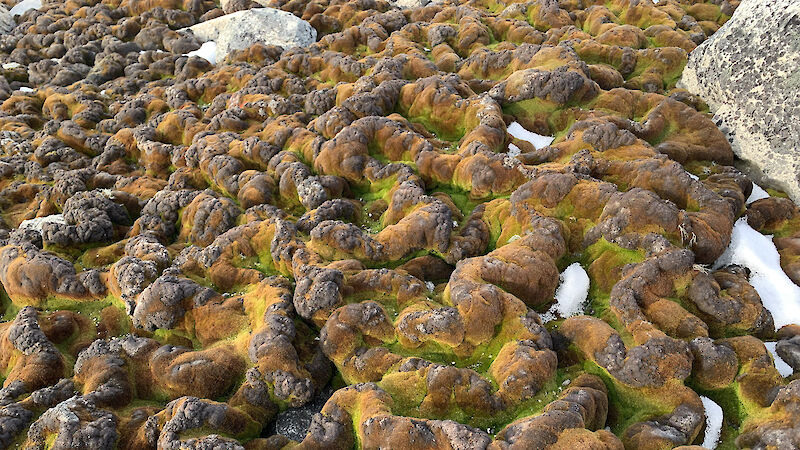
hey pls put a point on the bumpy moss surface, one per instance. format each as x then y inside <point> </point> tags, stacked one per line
<point>239,238</point>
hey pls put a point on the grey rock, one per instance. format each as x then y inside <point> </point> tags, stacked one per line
<point>749,74</point>
<point>26,336</point>
<point>77,424</point>
<point>191,413</point>
<point>232,6</point>
<point>38,223</point>
<point>13,420</point>
<point>294,422</point>
<point>89,216</point>
<point>16,417</point>
<point>413,4</point>
<point>789,351</point>
<point>164,302</point>
<point>7,22</point>
<point>242,29</point>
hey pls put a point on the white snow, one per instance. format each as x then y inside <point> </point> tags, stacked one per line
<point>784,369</point>
<point>430,285</point>
<point>11,65</point>
<point>713,423</point>
<point>571,293</point>
<point>25,5</point>
<point>36,223</point>
<point>538,141</point>
<point>757,194</point>
<point>513,150</point>
<point>692,176</point>
<point>756,251</point>
<point>25,89</point>
<point>207,51</point>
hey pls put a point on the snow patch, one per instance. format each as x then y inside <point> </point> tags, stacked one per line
<point>784,369</point>
<point>538,141</point>
<point>37,223</point>
<point>573,288</point>
<point>11,65</point>
<point>25,89</point>
<point>756,251</point>
<point>757,194</point>
<point>692,176</point>
<point>430,286</point>
<point>207,51</point>
<point>713,423</point>
<point>24,6</point>
<point>513,150</point>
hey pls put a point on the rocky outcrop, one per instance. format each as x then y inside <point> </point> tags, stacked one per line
<point>7,22</point>
<point>411,4</point>
<point>241,29</point>
<point>748,74</point>
<point>345,244</point>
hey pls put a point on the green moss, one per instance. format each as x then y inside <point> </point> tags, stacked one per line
<point>445,131</point>
<point>777,193</point>
<point>551,390</point>
<point>370,191</point>
<point>100,256</point>
<point>727,399</point>
<point>480,360</point>
<point>90,308</point>
<point>74,252</point>
<point>460,198</point>
<point>373,224</point>
<point>622,255</point>
<point>431,351</point>
<point>408,390</point>
<point>50,440</point>
<point>737,410</point>
<point>168,336</point>
<point>604,261</point>
<point>201,280</point>
<point>627,405</point>
<point>10,309</point>
<point>534,110</point>
<point>262,262</point>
